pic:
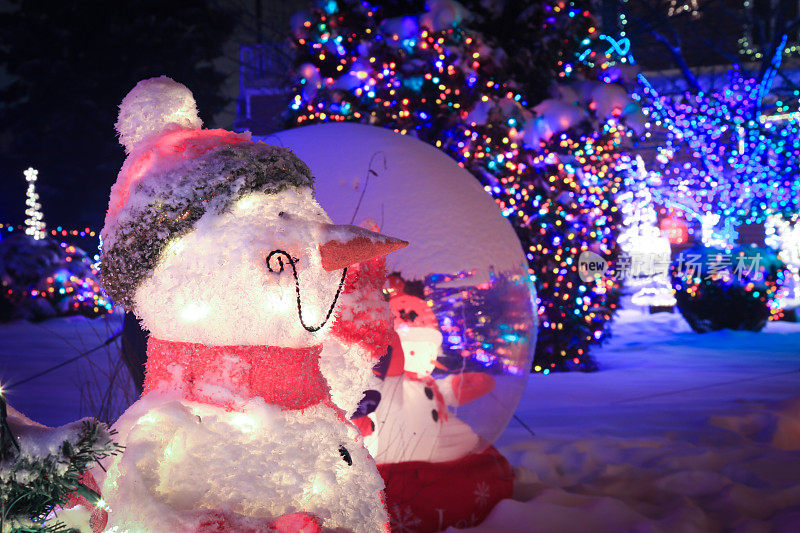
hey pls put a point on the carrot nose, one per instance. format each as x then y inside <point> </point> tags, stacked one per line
<point>347,245</point>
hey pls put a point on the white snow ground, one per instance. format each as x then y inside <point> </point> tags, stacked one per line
<point>96,384</point>
<point>677,432</point>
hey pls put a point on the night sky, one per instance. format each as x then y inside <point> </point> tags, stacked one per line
<point>65,67</point>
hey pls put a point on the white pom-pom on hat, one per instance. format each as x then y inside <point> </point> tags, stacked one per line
<point>152,107</point>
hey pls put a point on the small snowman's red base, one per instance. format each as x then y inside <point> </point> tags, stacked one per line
<point>428,497</point>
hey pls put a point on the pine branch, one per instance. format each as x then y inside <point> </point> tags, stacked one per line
<point>32,487</point>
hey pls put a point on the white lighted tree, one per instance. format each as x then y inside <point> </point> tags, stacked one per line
<point>34,224</point>
<point>784,235</point>
<point>645,250</point>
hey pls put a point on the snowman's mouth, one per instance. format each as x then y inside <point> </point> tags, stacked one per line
<point>276,262</point>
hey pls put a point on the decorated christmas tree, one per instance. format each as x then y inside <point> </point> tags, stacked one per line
<point>646,252</point>
<point>550,164</point>
<point>559,29</point>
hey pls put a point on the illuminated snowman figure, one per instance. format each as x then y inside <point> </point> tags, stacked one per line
<point>413,421</point>
<point>220,248</point>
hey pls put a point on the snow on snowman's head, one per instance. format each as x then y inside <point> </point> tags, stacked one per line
<point>193,218</point>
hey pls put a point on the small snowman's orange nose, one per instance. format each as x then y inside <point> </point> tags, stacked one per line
<point>347,245</point>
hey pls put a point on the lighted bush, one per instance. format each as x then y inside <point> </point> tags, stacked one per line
<point>733,289</point>
<point>40,279</point>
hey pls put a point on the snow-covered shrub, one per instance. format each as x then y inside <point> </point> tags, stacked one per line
<point>733,289</point>
<point>40,279</point>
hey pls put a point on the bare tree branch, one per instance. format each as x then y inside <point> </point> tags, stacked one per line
<point>657,19</point>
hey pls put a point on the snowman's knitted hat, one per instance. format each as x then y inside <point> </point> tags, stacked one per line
<point>175,173</point>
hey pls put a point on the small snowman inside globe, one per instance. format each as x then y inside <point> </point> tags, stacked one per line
<point>219,246</point>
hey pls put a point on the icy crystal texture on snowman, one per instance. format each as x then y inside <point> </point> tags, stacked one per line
<point>152,105</point>
<point>220,248</point>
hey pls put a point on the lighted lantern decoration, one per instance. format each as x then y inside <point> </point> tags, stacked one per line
<point>465,326</point>
<point>261,338</point>
<point>675,229</point>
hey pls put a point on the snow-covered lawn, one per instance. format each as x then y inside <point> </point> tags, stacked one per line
<point>678,432</point>
<point>46,377</point>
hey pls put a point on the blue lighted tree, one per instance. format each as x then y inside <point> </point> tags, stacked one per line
<point>723,158</point>
<point>726,147</point>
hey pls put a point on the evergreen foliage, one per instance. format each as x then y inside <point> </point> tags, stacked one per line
<point>734,289</point>
<point>40,471</point>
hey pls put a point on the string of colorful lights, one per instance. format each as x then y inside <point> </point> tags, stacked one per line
<point>720,158</point>
<point>446,86</point>
<point>59,274</point>
<point>56,232</point>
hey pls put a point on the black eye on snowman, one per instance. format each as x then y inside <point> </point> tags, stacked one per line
<point>345,455</point>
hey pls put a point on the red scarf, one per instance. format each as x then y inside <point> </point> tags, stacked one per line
<point>228,376</point>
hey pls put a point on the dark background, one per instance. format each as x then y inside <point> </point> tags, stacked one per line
<point>65,67</point>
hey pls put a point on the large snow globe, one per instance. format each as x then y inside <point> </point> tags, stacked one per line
<point>462,300</point>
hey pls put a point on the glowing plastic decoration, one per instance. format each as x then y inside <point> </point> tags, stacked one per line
<point>784,236</point>
<point>463,308</point>
<point>675,229</point>
<point>716,235</point>
<point>647,252</point>
<point>462,252</point>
